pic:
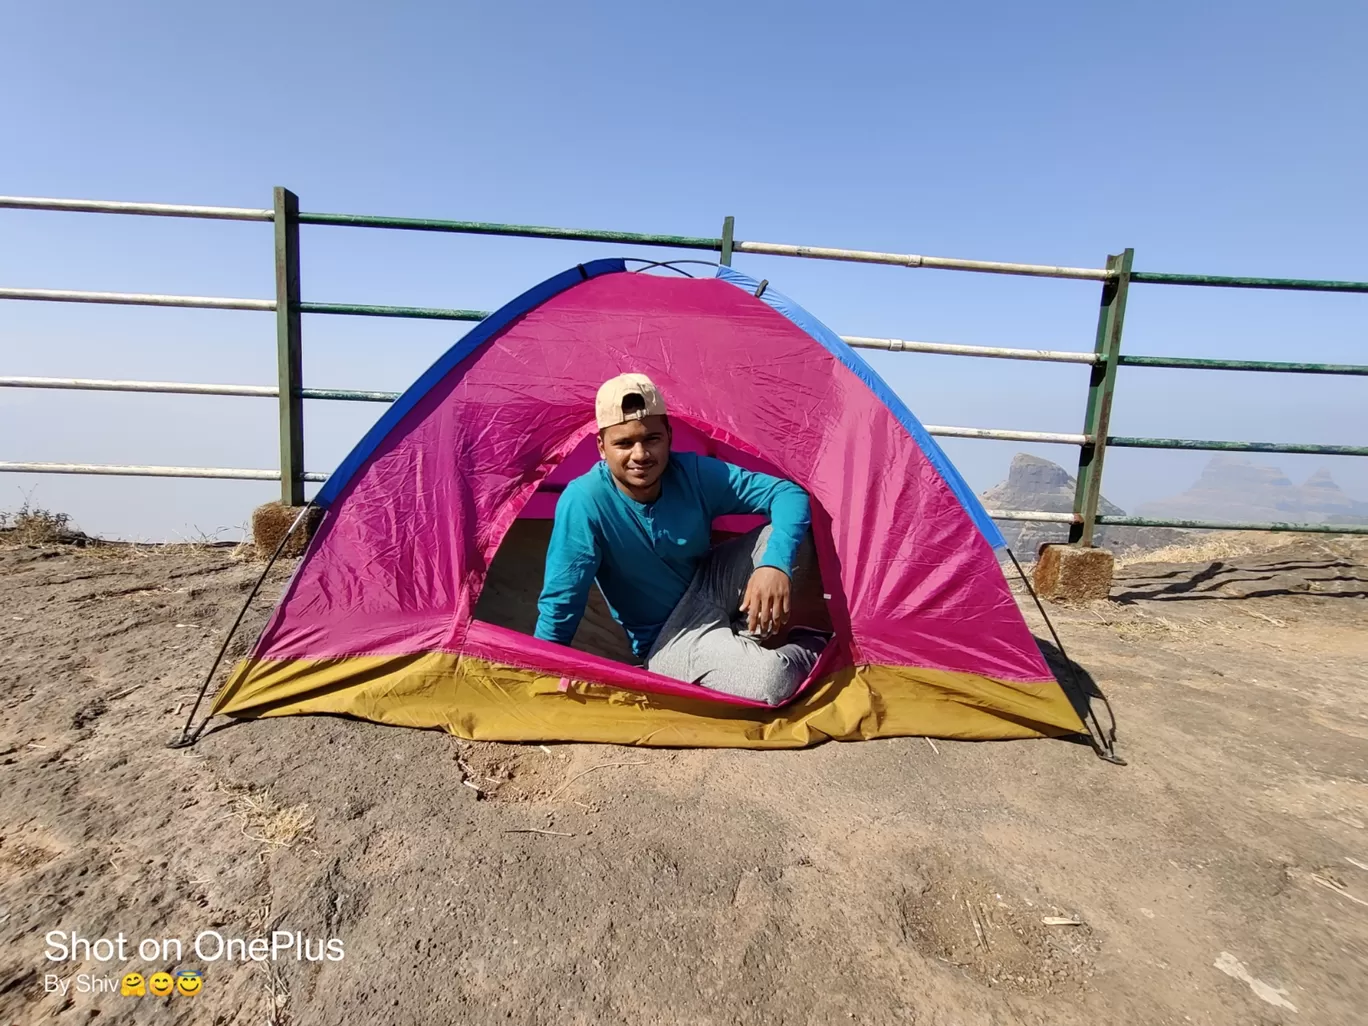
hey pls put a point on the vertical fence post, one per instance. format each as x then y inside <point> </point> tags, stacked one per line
<point>289,362</point>
<point>728,226</point>
<point>1101,388</point>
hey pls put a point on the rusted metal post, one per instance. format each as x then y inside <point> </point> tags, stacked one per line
<point>289,362</point>
<point>728,228</point>
<point>1101,388</point>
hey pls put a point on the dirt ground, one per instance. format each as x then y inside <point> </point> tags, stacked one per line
<point>1219,878</point>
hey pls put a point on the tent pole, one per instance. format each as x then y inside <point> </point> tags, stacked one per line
<point>728,228</point>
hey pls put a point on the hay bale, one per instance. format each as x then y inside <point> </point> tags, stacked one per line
<point>1071,573</point>
<point>271,521</point>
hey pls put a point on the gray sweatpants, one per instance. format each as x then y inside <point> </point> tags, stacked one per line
<point>705,640</point>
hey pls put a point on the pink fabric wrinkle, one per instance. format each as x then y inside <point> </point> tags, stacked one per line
<point>401,557</point>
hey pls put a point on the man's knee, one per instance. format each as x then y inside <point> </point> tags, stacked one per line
<point>780,686</point>
<point>763,676</point>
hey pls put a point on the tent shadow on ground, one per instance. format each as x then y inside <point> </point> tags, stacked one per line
<point>1079,688</point>
<point>1292,577</point>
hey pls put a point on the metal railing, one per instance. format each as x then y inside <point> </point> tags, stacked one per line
<point>1093,441</point>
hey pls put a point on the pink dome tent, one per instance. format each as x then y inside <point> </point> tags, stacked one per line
<point>379,619</point>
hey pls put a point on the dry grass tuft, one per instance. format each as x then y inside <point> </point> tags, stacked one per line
<point>264,819</point>
<point>31,525</point>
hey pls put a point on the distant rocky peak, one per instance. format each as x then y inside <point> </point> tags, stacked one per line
<point>1228,471</point>
<point>1323,481</point>
<point>1038,484</point>
<point>1231,487</point>
<point>1033,474</point>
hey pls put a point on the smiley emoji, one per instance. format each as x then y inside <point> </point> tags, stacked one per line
<point>132,985</point>
<point>189,982</point>
<point>160,984</point>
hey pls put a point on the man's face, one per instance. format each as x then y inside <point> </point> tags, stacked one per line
<point>637,452</point>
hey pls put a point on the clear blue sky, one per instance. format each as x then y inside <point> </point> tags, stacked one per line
<point>1211,137</point>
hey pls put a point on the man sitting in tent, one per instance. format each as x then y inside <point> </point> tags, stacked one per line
<point>640,522</point>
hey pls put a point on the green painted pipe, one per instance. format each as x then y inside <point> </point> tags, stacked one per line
<point>1126,441</point>
<point>350,395</point>
<point>1225,281</point>
<point>1232,525</point>
<point>1193,363</point>
<point>419,312</point>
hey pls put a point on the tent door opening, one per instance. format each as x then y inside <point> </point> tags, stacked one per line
<point>513,581</point>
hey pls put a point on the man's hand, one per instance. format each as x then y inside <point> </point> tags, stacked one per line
<point>766,602</point>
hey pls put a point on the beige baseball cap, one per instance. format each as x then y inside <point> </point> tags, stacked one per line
<point>608,402</point>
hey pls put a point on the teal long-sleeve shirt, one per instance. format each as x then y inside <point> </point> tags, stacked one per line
<point>644,555</point>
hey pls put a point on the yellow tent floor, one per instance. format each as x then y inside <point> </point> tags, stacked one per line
<point>477,699</point>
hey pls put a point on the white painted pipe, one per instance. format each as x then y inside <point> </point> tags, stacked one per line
<point>1006,436</point>
<point>153,209</point>
<point>107,385</point>
<point>1035,517</point>
<point>138,299</point>
<point>118,470</point>
<point>190,388</point>
<point>902,345</point>
<point>865,256</point>
<point>140,471</point>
